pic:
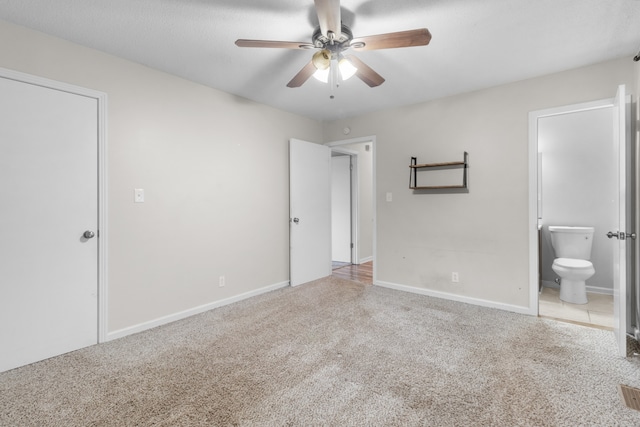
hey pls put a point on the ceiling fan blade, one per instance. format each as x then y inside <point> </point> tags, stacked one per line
<point>273,44</point>
<point>329,17</point>
<point>420,37</point>
<point>303,75</point>
<point>366,73</point>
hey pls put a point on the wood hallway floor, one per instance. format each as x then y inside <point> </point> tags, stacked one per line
<point>362,273</point>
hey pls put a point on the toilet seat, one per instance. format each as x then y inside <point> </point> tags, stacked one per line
<point>576,264</point>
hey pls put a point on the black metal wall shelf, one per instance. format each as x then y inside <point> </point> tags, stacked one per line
<point>413,173</point>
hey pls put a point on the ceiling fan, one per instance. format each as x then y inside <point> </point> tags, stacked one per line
<point>333,38</point>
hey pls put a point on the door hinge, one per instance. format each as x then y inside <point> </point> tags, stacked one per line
<point>351,245</point>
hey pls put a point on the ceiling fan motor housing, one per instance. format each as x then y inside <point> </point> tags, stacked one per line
<point>333,45</point>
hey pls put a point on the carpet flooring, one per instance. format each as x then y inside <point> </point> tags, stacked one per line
<point>335,353</point>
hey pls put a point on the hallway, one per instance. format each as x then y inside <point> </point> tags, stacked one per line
<point>362,273</point>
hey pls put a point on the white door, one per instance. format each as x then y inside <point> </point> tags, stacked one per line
<point>48,199</point>
<point>620,249</point>
<point>341,208</point>
<point>310,211</point>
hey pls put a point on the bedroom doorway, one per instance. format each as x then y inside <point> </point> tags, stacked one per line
<point>353,208</point>
<point>344,210</point>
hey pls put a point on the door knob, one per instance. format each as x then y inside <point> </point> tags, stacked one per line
<point>621,235</point>
<point>296,220</point>
<point>88,234</point>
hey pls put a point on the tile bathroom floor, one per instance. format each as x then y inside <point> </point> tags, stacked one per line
<point>598,312</point>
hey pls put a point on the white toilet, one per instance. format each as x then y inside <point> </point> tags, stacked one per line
<point>572,246</point>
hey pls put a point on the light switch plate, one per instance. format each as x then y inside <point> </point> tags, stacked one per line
<point>138,195</point>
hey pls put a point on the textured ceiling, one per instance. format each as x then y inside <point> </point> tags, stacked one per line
<point>476,44</point>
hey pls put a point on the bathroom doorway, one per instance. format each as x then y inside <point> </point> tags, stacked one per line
<point>576,187</point>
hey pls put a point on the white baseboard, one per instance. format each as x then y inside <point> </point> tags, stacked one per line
<point>190,312</point>
<point>593,289</point>
<point>550,284</point>
<point>367,259</point>
<point>459,298</point>
<point>598,290</point>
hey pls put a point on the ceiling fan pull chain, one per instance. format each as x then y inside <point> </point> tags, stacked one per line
<point>332,79</point>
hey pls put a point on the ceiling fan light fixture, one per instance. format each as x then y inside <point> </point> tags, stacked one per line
<point>322,59</point>
<point>347,69</point>
<point>322,75</point>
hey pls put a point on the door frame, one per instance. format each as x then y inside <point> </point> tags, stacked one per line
<point>534,116</point>
<point>353,199</point>
<point>372,140</point>
<point>101,98</point>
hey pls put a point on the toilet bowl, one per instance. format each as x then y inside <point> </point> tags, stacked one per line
<point>572,246</point>
<point>573,274</point>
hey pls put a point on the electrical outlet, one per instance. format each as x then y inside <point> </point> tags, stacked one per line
<point>454,277</point>
<point>221,281</point>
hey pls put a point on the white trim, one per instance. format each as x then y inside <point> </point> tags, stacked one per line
<point>573,108</point>
<point>354,174</point>
<point>533,215</point>
<point>534,116</point>
<point>120,333</point>
<point>354,206</point>
<point>454,297</point>
<point>101,99</point>
<point>598,290</point>
<point>372,140</point>
<point>48,83</point>
<point>344,151</point>
<point>103,235</point>
<point>367,259</point>
<point>550,284</point>
<point>591,289</point>
<point>357,140</point>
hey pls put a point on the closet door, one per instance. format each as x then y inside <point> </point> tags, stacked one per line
<point>49,211</point>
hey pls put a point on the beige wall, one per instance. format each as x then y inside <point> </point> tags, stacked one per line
<point>482,235</point>
<point>217,189</point>
<point>214,168</point>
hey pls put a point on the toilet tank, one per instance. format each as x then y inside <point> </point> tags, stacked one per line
<point>572,242</point>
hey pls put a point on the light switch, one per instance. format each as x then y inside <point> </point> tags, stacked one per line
<point>389,197</point>
<point>139,195</point>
